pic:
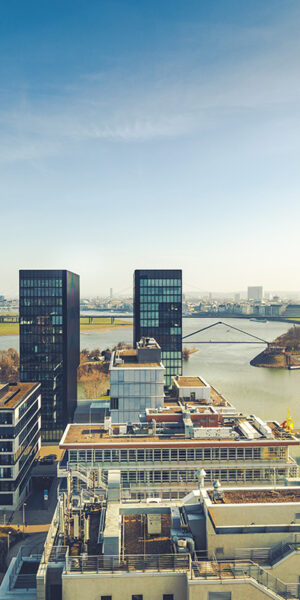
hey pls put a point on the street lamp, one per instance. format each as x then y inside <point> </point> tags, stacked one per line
<point>8,540</point>
<point>24,504</point>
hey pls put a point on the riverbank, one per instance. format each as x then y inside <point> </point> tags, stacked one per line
<point>282,353</point>
<point>104,325</point>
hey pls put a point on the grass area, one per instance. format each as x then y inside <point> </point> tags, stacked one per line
<point>103,324</point>
<point>9,328</point>
<point>100,325</point>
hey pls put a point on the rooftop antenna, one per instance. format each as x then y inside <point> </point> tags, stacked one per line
<point>200,475</point>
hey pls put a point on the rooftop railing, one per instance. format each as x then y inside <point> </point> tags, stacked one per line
<point>129,563</point>
<point>212,570</point>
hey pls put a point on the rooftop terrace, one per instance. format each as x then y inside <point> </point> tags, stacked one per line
<point>11,394</point>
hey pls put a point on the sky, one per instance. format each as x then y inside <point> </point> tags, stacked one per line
<point>162,134</point>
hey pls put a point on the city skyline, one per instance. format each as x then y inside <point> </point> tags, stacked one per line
<point>130,123</point>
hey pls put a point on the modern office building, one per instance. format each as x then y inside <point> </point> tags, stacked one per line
<point>136,381</point>
<point>157,309</point>
<point>20,440</point>
<point>159,456</point>
<point>49,343</point>
<point>255,293</point>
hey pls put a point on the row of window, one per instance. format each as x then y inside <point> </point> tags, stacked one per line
<point>41,283</point>
<point>165,303</point>
<point>173,355</point>
<point>41,293</point>
<point>175,455</point>
<point>41,328</point>
<point>140,597</point>
<point>160,282</point>
<point>149,298</point>
<point>136,390</point>
<point>186,476</point>
<point>138,375</point>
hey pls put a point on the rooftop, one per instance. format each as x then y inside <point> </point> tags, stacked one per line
<point>183,382</point>
<point>142,434</point>
<point>259,496</point>
<point>13,393</point>
<point>135,364</point>
<point>137,540</point>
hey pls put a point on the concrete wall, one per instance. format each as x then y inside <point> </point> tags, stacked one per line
<point>231,542</point>
<point>122,587</point>
<point>287,569</point>
<point>261,514</point>
<point>153,586</point>
<point>239,591</point>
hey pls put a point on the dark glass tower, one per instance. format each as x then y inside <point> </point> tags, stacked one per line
<point>49,343</point>
<point>157,309</point>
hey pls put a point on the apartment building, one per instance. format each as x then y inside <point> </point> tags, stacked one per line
<point>20,439</point>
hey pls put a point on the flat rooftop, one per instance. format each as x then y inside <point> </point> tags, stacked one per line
<point>136,364</point>
<point>96,435</point>
<point>138,541</point>
<point>15,393</point>
<point>259,496</point>
<point>184,382</point>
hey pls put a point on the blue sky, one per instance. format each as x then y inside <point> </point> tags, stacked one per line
<point>151,134</point>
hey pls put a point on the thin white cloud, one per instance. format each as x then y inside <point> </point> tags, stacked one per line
<point>166,105</point>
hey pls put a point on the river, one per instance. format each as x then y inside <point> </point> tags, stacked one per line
<point>267,392</point>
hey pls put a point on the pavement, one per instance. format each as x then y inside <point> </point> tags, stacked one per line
<point>38,512</point>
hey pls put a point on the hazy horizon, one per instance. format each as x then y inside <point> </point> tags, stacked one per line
<point>151,135</point>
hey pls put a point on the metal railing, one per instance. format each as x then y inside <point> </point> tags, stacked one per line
<point>21,557</point>
<point>271,554</point>
<point>57,554</point>
<point>240,570</point>
<point>130,563</point>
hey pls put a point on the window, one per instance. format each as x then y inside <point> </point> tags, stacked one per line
<point>106,597</point>
<point>168,596</point>
<point>114,403</point>
<point>137,597</point>
<point>219,595</point>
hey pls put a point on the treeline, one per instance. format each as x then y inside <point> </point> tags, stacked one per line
<point>290,339</point>
<point>9,365</point>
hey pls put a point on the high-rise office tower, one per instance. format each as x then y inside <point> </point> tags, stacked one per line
<point>49,343</point>
<point>255,292</point>
<point>157,309</point>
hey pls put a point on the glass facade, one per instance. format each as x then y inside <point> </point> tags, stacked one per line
<point>49,343</point>
<point>158,314</point>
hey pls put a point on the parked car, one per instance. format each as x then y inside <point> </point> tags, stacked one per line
<point>48,460</point>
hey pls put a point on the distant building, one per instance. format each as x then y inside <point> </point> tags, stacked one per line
<point>20,439</point>
<point>158,314</point>
<point>111,293</point>
<point>49,343</point>
<point>237,297</point>
<point>136,381</point>
<point>292,311</point>
<point>255,293</point>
